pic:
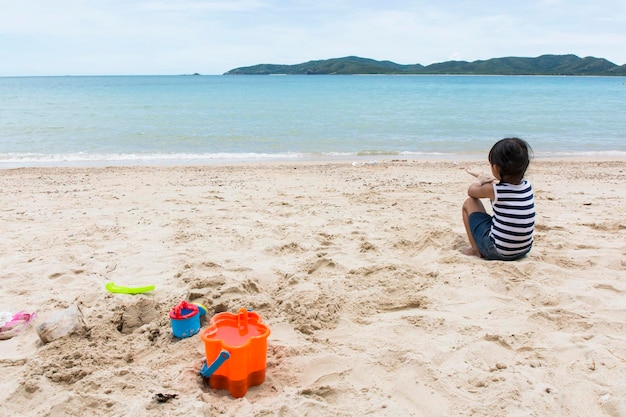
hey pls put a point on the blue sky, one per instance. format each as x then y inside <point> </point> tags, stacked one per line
<point>80,37</point>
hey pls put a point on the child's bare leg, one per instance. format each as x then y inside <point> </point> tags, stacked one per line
<point>471,205</point>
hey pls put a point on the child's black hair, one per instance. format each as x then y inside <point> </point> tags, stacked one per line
<point>512,156</point>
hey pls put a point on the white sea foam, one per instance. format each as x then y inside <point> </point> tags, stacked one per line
<point>80,158</point>
<point>15,160</point>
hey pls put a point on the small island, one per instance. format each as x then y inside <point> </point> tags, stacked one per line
<point>353,65</point>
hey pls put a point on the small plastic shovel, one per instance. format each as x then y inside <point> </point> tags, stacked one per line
<point>111,287</point>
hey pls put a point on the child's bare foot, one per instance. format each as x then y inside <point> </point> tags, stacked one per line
<point>469,251</point>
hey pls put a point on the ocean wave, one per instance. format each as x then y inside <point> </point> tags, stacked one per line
<point>33,159</point>
<point>16,160</point>
<point>599,154</point>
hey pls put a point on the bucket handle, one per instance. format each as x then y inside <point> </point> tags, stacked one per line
<point>207,371</point>
<point>242,321</point>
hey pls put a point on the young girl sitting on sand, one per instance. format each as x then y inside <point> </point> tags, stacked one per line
<point>508,234</point>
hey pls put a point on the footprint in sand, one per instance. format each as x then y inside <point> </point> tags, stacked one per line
<point>320,265</point>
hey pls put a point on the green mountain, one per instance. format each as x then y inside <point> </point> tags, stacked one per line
<point>352,65</point>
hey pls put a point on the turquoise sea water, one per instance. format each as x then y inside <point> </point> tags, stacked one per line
<point>113,120</point>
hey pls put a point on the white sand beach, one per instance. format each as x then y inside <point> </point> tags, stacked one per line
<point>356,270</point>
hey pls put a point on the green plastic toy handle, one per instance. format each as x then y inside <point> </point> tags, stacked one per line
<point>111,287</point>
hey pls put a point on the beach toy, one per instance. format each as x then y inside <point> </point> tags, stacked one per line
<point>236,351</point>
<point>11,324</point>
<point>185,319</point>
<point>111,287</point>
<point>63,323</point>
<point>202,309</point>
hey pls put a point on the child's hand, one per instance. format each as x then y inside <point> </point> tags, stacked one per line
<point>485,179</point>
<point>481,177</point>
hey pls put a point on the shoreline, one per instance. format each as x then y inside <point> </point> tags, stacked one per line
<point>356,270</point>
<point>352,159</point>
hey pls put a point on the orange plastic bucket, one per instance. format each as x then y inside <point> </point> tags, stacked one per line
<point>236,351</point>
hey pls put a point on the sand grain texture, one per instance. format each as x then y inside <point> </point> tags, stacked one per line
<point>356,270</point>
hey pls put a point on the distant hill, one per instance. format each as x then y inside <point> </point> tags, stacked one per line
<point>352,65</point>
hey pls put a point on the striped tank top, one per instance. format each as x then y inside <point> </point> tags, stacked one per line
<point>513,218</point>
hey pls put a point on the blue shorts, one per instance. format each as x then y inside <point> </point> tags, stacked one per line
<point>480,226</point>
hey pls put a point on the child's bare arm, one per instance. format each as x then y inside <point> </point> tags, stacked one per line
<point>478,190</point>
